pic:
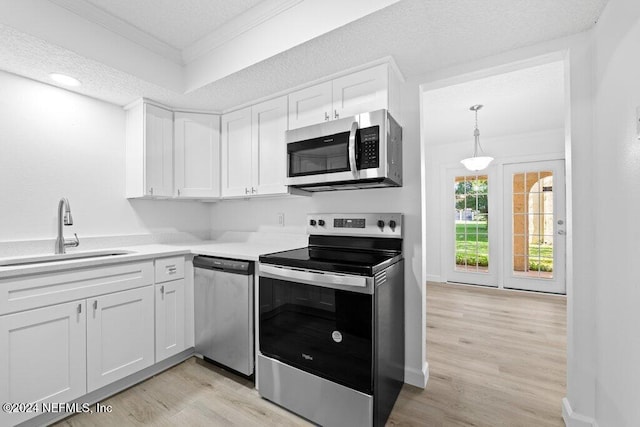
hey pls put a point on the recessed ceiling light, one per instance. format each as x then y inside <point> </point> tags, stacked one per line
<point>63,79</point>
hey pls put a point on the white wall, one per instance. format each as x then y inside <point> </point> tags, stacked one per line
<point>244,215</point>
<point>616,203</point>
<point>439,158</point>
<point>55,143</point>
<point>576,51</point>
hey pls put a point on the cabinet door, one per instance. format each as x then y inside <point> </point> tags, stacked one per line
<point>360,92</point>
<point>269,123</point>
<point>236,153</point>
<point>42,356</point>
<point>197,155</point>
<point>310,106</point>
<point>120,335</point>
<point>158,151</point>
<point>170,319</point>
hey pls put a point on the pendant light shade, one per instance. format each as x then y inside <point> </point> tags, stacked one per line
<point>476,163</point>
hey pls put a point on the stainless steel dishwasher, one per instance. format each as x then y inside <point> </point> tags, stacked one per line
<point>224,312</point>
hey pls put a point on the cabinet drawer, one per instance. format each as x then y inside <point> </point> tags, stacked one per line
<point>169,269</point>
<point>39,290</point>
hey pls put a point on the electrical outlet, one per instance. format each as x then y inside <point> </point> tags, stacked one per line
<point>281,219</point>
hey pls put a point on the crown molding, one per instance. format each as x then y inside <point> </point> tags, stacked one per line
<point>118,26</point>
<point>242,23</point>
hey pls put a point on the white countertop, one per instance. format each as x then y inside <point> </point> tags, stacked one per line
<point>238,245</point>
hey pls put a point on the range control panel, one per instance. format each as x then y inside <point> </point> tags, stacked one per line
<point>366,225</point>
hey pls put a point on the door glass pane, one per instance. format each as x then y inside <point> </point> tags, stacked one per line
<point>471,223</point>
<point>532,226</point>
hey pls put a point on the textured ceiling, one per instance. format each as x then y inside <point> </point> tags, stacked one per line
<point>518,102</point>
<point>177,23</point>
<point>421,35</point>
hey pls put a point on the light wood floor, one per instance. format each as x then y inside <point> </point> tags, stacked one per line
<point>496,358</point>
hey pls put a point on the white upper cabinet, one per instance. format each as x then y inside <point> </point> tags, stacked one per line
<point>171,154</point>
<point>159,151</point>
<point>269,151</point>
<point>360,92</point>
<point>236,153</point>
<point>310,105</point>
<point>197,155</point>
<point>149,151</point>
<point>254,150</point>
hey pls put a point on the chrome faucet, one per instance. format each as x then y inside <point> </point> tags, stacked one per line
<point>64,218</point>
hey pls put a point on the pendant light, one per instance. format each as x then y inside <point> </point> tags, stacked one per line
<point>476,163</point>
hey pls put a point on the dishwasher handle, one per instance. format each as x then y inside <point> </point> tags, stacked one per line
<point>235,266</point>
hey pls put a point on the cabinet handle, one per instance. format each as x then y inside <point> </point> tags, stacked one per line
<point>79,308</point>
<point>253,190</point>
<point>326,116</point>
<point>162,289</point>
<point>178,191</point>
<point>335,114</point>
<point>171,269</point>
<point>151,191</point>
<point>246,190</point>
<point>95,304</point>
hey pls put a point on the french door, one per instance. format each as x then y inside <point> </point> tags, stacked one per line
<point>505,227</point>
<point>470,245</point>
<point>534,226</point>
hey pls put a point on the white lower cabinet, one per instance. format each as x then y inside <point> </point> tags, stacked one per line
<point>55,350</point>
<point>42,357</point>
<point>120,335</point>
<point>170,318</point>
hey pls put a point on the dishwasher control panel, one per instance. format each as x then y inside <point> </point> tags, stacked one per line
<point>224,264</point>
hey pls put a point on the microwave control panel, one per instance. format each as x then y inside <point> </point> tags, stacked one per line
<point>369,148</point>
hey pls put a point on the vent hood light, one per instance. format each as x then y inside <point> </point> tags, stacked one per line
<point>64,79</point>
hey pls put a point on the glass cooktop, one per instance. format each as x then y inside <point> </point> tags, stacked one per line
<point>339,260</point>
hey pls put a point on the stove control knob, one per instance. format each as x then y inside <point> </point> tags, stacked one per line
<point>321,222</point>
<point>381,224</point>
<point>312,222</point>
<point>392,224</point>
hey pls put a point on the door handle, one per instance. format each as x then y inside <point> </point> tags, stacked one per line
<point>352,149</point>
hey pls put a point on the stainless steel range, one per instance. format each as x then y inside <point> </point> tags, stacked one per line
<point>331,323</point>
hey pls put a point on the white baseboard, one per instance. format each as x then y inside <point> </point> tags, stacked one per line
<point>434,278</point>
<point>574,419</point>
<point>417,378</point>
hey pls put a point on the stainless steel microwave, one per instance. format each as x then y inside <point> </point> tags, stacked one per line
<point>362,151</point>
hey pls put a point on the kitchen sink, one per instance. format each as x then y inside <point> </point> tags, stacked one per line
<point>40,259</point>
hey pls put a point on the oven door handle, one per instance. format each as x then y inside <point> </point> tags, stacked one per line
<point>352,149</point>
<point>330,280</point>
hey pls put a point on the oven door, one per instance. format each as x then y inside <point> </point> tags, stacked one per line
<point>326,331</point>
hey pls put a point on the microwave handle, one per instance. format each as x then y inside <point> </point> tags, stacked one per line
<point>352,149</point>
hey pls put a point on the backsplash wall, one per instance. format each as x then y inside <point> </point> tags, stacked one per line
<point>55,144</point>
